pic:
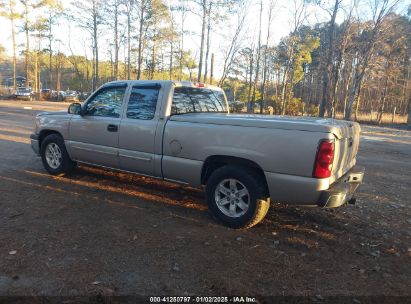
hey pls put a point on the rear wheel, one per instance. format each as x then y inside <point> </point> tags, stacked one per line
<point>54,155</point>
<point>237,196</point>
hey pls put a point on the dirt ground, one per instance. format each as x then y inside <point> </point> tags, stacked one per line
<point>102,232</point>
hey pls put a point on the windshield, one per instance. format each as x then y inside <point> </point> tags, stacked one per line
<point>198,100</point>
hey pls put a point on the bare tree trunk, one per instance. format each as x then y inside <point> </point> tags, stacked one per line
<point>111,66</point>
<point>257,72</point>
<point>339,66</point>
<point>50,54</point>
<point>270,13</point>
<point>171,48</point>
<point>37,67</point>
<point>116,44</point>
<point>203,25</point>
<point>283,91</point>
<point>26,30</point>
<point>163,67</point>
<point>357,104</point>
<point>212,68</point>
<point>36,70</point>
<point>329,63</point>
<point>277,83</point>
<point>87,70</point>
<point>250,83</point>
<point>183,15</point>
<point>346,87</point>
<point>13,38</point>
<point>263,85</point>
<point>153,60</point>
<point>393,114</point>
<point>93,70</point>
<point>382,101</point>
<point>208,43</point>
<point>58,71</point>
<point>140,39</point>
<point>287,71</point>
<point>95,37</point>
<point>129,44</point>
<point>335,84</point>
<point>171,60</point>
<point>357,79</point>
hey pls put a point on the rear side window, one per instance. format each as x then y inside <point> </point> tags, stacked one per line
<point>198,100</point>
<point>143,101</point>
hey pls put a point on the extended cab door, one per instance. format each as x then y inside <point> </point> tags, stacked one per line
<point>94,135</point>
<point>138,129</point>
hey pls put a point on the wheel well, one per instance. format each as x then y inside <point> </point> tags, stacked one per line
<point>44,133</point>
<point>217,161</point>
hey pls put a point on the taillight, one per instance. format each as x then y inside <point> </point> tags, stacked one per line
<point>199,85</point>
<point>324,159</point>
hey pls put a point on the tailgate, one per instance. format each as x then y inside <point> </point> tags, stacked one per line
<point>346,148</point>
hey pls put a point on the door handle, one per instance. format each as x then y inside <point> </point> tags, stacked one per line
<point>112,128</point>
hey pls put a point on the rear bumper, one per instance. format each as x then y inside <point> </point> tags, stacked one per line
<point>34,138</point>
<point>314,192</point>
<point>342,190</point>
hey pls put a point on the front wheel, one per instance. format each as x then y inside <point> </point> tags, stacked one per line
<point>237,196</point>
<point>54,155</point>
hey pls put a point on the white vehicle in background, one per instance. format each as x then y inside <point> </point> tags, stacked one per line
<point>24,93</point>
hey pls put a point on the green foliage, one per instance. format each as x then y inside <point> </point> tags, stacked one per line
<point>302,57</point>
<point>7,10</point>
<point>295,107</point>
<point>276,104</point>
<point>242,93</point>
<point>311,110</point>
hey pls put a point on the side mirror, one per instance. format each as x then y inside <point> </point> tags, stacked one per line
<point>75,108</point>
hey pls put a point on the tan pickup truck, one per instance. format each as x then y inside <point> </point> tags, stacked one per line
<point>183,132</point>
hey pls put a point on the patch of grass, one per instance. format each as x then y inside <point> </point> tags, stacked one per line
<point>387,118</point>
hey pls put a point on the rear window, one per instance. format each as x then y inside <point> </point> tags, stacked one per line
<point>198,100</point>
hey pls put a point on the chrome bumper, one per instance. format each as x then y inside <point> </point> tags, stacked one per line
<point>34,138</point>
<point>342,190</point>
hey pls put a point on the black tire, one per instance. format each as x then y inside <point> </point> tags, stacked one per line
<point>66,164</point>
<point>259,202</point>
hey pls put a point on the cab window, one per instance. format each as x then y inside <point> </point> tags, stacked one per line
<point>143,102</point>
<point>107,102</point>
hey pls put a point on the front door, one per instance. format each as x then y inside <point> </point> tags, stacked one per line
<point>94,135</point>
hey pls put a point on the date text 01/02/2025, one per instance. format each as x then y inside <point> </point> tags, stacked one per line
<point>202,299</point>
